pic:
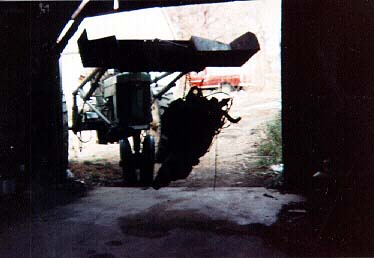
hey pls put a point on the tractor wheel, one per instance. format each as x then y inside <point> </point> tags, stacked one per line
<point>127,162</point>
<point>147,161</point>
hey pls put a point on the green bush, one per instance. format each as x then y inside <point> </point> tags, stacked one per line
<point>270,149</point>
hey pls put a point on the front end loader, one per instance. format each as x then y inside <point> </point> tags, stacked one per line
<point>117,103</point>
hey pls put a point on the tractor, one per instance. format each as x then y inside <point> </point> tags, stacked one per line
<point>122,91</point>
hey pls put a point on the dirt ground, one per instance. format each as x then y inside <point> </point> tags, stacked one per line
<point>231,160</point>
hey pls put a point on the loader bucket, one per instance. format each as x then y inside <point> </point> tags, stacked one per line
<point>165,55</point>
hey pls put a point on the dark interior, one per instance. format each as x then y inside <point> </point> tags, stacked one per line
<point>327,97</point>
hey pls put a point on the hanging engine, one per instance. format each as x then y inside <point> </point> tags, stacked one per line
<point>188,128</point>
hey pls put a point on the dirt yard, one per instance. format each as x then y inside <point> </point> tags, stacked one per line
<point>232,156</point>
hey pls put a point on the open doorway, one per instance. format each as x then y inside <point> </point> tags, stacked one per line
<point>235,157</point>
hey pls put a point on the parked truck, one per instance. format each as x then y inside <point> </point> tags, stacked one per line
<point>213,78</point>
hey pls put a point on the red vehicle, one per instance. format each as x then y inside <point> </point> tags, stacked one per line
<point>212,78</point>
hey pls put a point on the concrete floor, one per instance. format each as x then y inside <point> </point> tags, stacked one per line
<point>131,222</point>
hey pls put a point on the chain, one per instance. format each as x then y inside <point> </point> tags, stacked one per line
<point>188,79</point>
<point>215,163</point>
<point>80,141</point>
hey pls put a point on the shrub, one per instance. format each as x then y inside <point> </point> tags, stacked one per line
<point>270,149</point>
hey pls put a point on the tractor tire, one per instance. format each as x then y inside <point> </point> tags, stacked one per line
<point>147,161</point>
<point>127,162</point>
